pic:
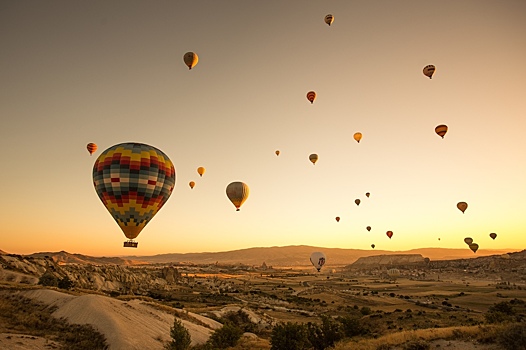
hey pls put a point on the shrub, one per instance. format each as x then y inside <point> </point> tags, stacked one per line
<point>351,326</point>
<point>513,337</point>
<point>289,336</point>
<point>65,283</point>
<point>181,339</point>
<point>226,336</point>
<point>324,336</point>
<point>241,320</point>
<point>48,279</point>
<point>366,310</point>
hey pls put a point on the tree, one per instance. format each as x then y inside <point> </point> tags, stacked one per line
<point>181,339</point>
<point>48,279</point>
<point>324,336</point>
<point>289,336</point>
<point>226,336</point>
<point>65,283</point>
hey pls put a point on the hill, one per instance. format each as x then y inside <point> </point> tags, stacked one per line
<point>63,257</point>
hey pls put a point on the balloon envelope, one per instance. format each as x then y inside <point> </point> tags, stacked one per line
<point>462,206</point>
<point>190,59</point>
<point>358,136</point>
<point>337,219</point>
<point>311,96</point>
<point>474,247</point>
<point>91,148</point>
<point>357,201</point>
<point>313,158</point>
<point>329,19</point>
<point>277,152</point>
<point>372,246</point>
<point>468,240</point>
<point>368,228</point>
<point>133,181</point>
<point>237,192</point>
<point>389,234</point>
<point>318,260</point>
<point>429,70</point>
<point>367,194</point>
<point>192,184</point>
<point>393,273</point>
<point>493,235</point>
<point>441,130</point>
<point>201,170</point>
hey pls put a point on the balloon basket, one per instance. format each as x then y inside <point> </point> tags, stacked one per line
<point>131,244</point>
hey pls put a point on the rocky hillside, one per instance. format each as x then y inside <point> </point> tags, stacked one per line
<point>398,260</point>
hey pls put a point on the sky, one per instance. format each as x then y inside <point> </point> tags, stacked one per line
<point>74,72</point>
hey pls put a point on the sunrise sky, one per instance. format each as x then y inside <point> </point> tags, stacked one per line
<point>74,72</point>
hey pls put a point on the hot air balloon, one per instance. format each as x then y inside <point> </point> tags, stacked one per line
<point>393,273</point>
<point>311,96</point>
<point>190,59</point>
<point>357,136</point>
<point>337,219</point>
<point>277,152</point>
<point>474,247</point>
<point>329,19</point>
<point>91,148</point>
<point>389,234</point>
<point>237,192</point>
<point>367,194</point>
<point>357,201</point>
<point>133,181</point>
<point>468,240</point>
<point>429,70</point>
<point>441,130</point>
<point>201,170</point>
<point>318,260</point>
<point>372,246</point>
<point>192,184</point>
<point>313,158</point>
<point>493,235</point>
<point>462,206</point>
<point>368,228</point>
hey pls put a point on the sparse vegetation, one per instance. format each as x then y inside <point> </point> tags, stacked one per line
<point>181,339</point>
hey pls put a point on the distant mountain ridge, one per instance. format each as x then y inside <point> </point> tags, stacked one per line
<point>271,256</point>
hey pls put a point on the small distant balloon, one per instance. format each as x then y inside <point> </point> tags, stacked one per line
<point>372,246</point>
<point>389,234</point>
<point>468,240</point>
<point>329,19</point>
<point>313,158</point>
<point>367,194</point>
<point>91,148</point>
<point>368,228</point>
<point>337,219</point>
<point>311,96</point>
<point>237,192</point>
<point>357,201</point>
<point>474,247</point>
<point>393,273</point>
<point>191,184</point>
<point>277,152</point>
<point>441,130</point>
<point>318,259</point>
<point>462,206</point>
<point>190,59</point>
<point>429,70</point>
<point>493,235</point>
<point>201,170</point>
<point>357,136</point>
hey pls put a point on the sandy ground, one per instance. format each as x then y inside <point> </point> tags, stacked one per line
<point>127,325</point>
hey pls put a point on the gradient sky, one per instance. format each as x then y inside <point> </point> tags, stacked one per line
<point>74,72</point>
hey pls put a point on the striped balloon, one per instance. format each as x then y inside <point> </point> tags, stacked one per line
<point>133,181</point>
<point>91,148</point>
<point>311,96</point>
<point>441,130</point>
<point>429,70</point>
<point>329,19</point>
<point>190,59</point>
<point>237,192</point>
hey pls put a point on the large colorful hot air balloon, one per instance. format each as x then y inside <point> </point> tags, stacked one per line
<point>311,96</point>
<point>368,228</point>
<point>133,181</point>
<point>192,184</point>
<point>493,235</point>
<point>318,259</point>
<point>201,171</point>
<point>468,240</point>
<point>337,219</point>
<point>277,152</point>
<point>462,206</point>
<point>91,148</point>
<point>237,192</point>
<point>329,19</point>
<point>190,59</point>
<point>441,130</point>
<point>357,201</point>
<point>474,247</point>
<point>357,136</point>
<point>429,70</point>
<point>389,234</point>
<point>313,158</point>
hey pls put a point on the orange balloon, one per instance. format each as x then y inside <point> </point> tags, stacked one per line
<point>337,219</point>
<point>91,148</point>
<point>192,184</point>
<point>389,234</point>
<point>311,96</point>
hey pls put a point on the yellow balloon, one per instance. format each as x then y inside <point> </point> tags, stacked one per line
<point>237,192</point>
<point>190,59</point>
<point>201,170</point>
<point>313,158</point>
<point>358,136</point>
